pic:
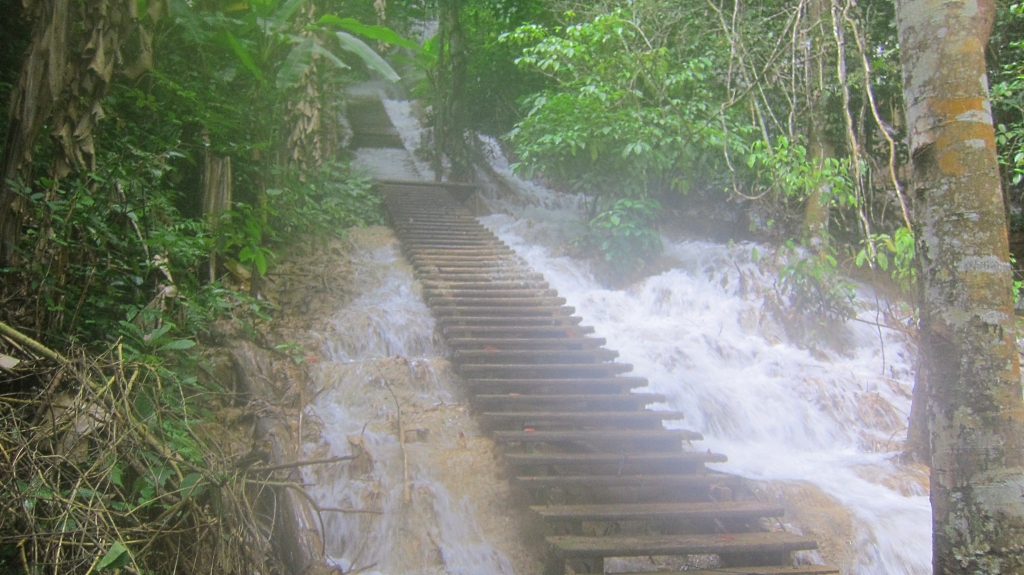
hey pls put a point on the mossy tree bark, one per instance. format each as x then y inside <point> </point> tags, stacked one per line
<point>974,406</point>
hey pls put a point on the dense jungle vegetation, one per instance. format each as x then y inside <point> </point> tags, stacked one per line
<point>159,153</point>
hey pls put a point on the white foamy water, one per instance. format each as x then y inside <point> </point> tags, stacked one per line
<point>700,334</point>
<point>697,331</point>
<point>384,364</point>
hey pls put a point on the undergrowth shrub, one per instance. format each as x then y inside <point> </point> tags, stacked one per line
<point>624,236</point>
<point>103,471</point>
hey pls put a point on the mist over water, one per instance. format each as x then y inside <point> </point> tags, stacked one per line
<point>384,363</point>
<point>697,331</point>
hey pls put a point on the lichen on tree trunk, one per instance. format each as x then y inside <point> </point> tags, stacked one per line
<point>974,406</point>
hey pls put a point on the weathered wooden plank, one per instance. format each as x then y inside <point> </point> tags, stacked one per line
<point>724,510</point>
<point>686,458</point>
<point>760,570</point>
<point>570,546</point>
<point>568,402</point>
<point>542,371</point>
<point>606,436</point>
<point>508,343</point>
<point>537,356</point>
<point>493,311</point>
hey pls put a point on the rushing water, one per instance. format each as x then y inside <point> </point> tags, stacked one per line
<point>698,332</point>
<point>418,506</point>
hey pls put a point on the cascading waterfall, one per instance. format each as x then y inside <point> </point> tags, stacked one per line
<point>697,331</point>
<point>780,412</point>
<point>384,365</point>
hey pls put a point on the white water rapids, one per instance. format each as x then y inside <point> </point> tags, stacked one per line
<point>697,331</point>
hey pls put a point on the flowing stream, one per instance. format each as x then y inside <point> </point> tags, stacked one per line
<point>827,422</point>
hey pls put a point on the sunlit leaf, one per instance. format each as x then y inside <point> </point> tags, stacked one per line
<point>178,344</point>
<point>116,557</point>
<point>284,13</point>
<point>381,33</point>
<point>372,59</point>
<point>243,54</point>
<point>319,49</point>
<point>295,64</point>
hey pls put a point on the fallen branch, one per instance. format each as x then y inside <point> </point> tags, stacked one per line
<point>350,510</point>
<point>302,464</point>
<point>406,492</point>
<point>30,343</point>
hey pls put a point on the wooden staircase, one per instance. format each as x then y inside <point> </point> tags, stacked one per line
<point>597,466</point>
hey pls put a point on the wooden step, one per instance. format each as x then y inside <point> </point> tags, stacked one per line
<point>476,277</point>
<point>442,259</point>
<point>557,326</point>
<point>487,302</point>
<point>576,547</point>
<point>645,481</point>
<point>465,243</point>
<point>546,371</point>
<point>498,311</point>
<point>490,293</point>
<point>484,285</point>
<point>588,418</point>
<point>418,251</point>
<point>537,343</point>
<point>674,437</point>
<point>573,402</point>
<point>762,570</point>
<point>556,386</point>
<point>724,510</point>
<point>534,356</point>
<point>624,461</point>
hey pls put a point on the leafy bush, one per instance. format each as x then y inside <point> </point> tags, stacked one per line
<point>329,201</point>
<point>624,116</point>
<point>894,250</point>
<point>624,235</point>
<point>784,170</point>
<point>814,287</point>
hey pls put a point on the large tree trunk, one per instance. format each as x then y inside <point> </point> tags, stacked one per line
<point>975,408</point>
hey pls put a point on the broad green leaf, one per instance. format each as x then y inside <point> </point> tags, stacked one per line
<point>382,33</point>
<point>116,557</point>
<point>883,261</point>
<point>319,49</point>
<point>155,335</point>
<point>243,54</point>
<point>280,18</point>
<point>371,58</point>
<point>190,485</point>
<point>296,63</point>
<point>177,344</point>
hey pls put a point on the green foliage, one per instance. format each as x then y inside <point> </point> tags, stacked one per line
<point>812,284</point>
<point>1007,94</point>
<point>895,251</point>
<point>495,85</point>
<point>327,202</point>
<point>786,170</point>
<point>624,235</point>
<point>324,204</point>
<point>623,117</point>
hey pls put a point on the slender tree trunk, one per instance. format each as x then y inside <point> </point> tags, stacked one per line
<point>451,123</point>
<point>816,212</point>
<point>975,408</point>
